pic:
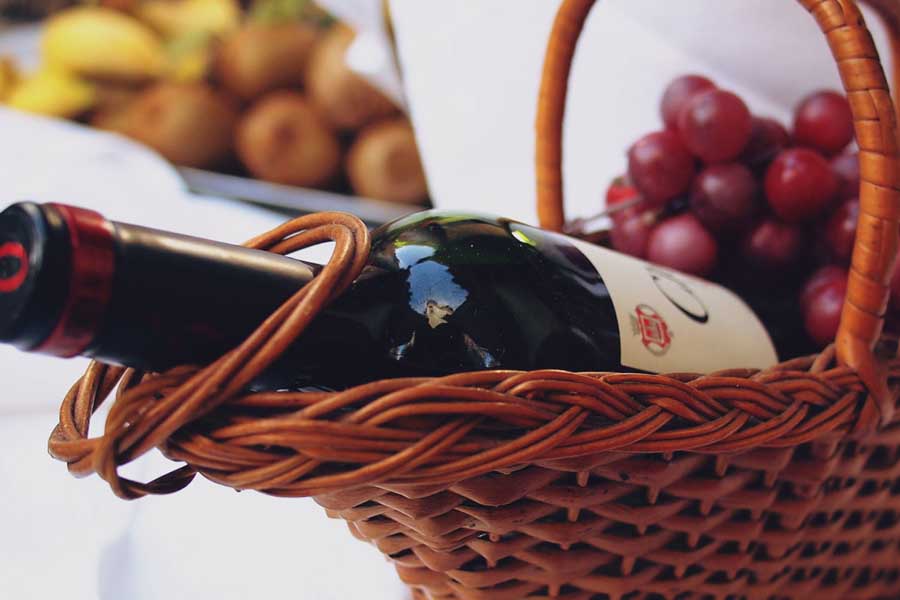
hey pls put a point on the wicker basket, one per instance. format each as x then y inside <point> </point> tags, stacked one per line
<point>768,484</point>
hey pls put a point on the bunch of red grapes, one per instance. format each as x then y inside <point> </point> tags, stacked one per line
<point>737,198</point>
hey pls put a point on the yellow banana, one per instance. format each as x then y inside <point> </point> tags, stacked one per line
<point>103,43</point>
<point>54,93</point>
<point>183,17</point>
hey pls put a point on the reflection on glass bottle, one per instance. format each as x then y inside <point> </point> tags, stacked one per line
<point>436,313</point>
<point>486,293</point>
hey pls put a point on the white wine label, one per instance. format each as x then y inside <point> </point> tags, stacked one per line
<point>673,322</point>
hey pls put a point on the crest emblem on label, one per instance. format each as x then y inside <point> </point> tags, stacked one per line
<point>653,329</point>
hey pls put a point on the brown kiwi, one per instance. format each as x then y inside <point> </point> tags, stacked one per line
<point>190,124</point>
<point>123,5</point>
<point>115,96</point>
<point>283,139</point>
<point>347,100</point>
<point>384,163</point>
<point>260,58</point>
<point>114,119</point>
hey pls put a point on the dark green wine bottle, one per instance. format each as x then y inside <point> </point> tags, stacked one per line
<point>442,293</point>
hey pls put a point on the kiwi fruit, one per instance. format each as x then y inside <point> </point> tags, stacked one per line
<point>110,120</point>
<point>123,5</point>
<point>283,139</point>
<point>115,96</point>
<point>190,124</point>
<point>263,57</point>
<point>383,163</point>
<point>347,100</point>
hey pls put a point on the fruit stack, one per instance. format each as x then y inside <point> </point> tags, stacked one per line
<point>264,92</point>
<point>724,194</point>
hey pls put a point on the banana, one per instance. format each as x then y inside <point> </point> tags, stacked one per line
<point>183,17</point>
<point>54,93</point>
<point>100,42</point>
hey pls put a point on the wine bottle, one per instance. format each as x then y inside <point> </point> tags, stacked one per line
<point>441,293</point>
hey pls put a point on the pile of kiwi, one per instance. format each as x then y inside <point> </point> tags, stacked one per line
<point>278,103</point>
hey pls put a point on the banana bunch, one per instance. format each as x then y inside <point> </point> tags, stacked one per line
<point>190,17</point>
<point>101,43</point>
<point>52,92</point>
<point>92,51</point>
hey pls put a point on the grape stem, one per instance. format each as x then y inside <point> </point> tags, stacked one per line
<point>618,207</point>
<point>579,225</point>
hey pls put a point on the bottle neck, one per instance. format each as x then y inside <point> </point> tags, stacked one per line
<point>131,295</point>
<point>177,299</point>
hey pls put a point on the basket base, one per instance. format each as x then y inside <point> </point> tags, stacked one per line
<point>420,595</point>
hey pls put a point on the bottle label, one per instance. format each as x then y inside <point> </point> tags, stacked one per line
<point>672,322</point>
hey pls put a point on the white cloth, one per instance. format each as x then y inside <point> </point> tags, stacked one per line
<point>68,538</point>
<point>472,71</point>
<point>74,539</point>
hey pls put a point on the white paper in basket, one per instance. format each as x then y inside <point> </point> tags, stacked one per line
<point>370,53</point>
<point>472,71</point>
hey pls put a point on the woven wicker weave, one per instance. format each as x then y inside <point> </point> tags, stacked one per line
<point>769,484</point>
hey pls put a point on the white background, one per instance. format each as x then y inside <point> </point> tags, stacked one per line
<point>472,75</point>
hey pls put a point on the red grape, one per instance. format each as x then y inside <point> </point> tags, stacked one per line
<point>840,231</point>
<point>800,185</point>
<point>846,167</point>
<point>631,230</point>
<point>773,245</point>
<point>681,242</point>
<point>678,93</point>
<point>724,197</point>
<point>822,314</point>
<point>821,278</point>
<point>823,121</point>
<point>660,166</point>
<point>715,125</point>
<point>768,137</point>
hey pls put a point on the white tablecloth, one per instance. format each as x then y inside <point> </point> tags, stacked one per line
<point>63,537</point>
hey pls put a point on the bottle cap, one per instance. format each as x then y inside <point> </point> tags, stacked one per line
<point>56,269</point>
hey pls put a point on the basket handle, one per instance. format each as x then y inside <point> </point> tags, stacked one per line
<point>876,132</point>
